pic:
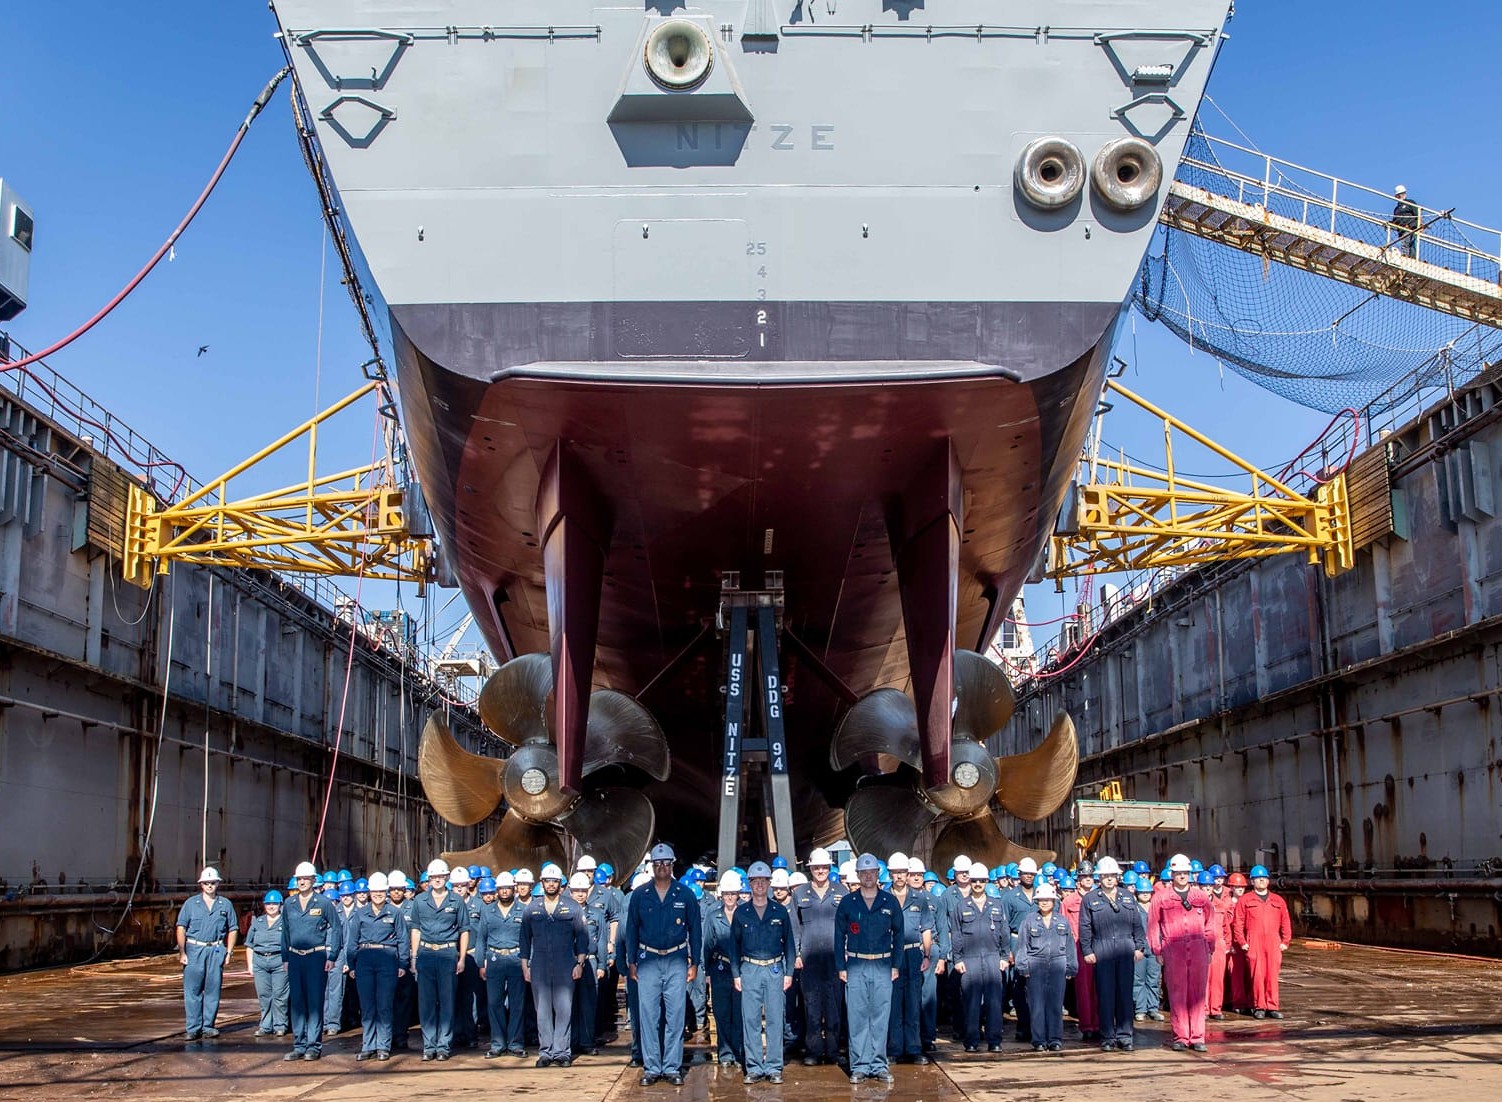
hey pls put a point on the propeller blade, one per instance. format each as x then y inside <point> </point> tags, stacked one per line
<point>622,732</point>
<point>614,825</point>
<point>985,697</point>
<point>881,819</point>
<point>981,839</point>
<point>517,844</point>
<point>1034,785</point>
<point>464,788</point>
<point>881,722</point>
<point>514,701</point>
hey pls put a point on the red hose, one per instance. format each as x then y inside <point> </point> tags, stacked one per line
<point>255,110</point>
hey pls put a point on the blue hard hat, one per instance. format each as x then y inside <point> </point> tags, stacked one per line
<point>1165,876</point>
<point>346,889</point>
<point>949,874</point>
<point>344,874</point>
<point>1204,879</point>
<point>1066,882</point>
<point>1142,868</point>
<point>1129,879</point>
<point>1257,870</point>
<point>1218,871</point>
<point>422,877</point>
<point>601,876</point>
<point>607,868</point>
<point>930,878</point>
<point>487,885</point>
<point>739,872</point>
<point>1196,867</point>
<point>474,872</point>
<point>993,891</point>
<point>1049,868</point>
<point>362,885</point>
<point>536,891</point>
<point>779,861</point>
<point>1012,872</point>
<point>292,883</point>
<point>332,889</point>
<point>485,871</point>
<point>273,896</point>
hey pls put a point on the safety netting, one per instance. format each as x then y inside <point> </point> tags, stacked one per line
<point>1311,339</point>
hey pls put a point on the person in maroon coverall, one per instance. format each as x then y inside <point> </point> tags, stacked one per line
<point>1225,904</point>
<point>1181,927</point>
<point>1238,971</point>
<point>1262,928</point>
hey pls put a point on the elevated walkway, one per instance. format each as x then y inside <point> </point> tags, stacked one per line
<point>1296,216</point>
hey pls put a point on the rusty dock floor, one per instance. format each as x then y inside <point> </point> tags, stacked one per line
<point>1361,1024</point>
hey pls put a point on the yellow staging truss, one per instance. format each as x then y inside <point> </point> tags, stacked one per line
<point>1126,516</point>
<point>353,522</point>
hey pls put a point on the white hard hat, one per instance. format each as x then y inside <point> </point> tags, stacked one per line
<point>847,870</point>
<point>397,879</point>
<point>550,871</point>
<point>797,880</point>
<point>820,856</point>
<point>1107,866</point>
<point>915,865</point>
<point>979,872</point>
<point>639,879</point>
<point>505,880</point>
<point>305,868</point>
<point>961,863</point>
<point>439,867</point>
<point>897,862</point>
<point>867,862</point>
<point>1400,190</point>
<point>377,882</point>
<point>586,864</point>
<point>459,875</point>
<point>209,873</point>
<point>1046,890</point>
<point>759,870</point>
<point>731,882</point>
<point>524,876</point>
<point>1027,864</point>
<point>580,880</point>
<point>780,878</point>
<point>1180,863</point>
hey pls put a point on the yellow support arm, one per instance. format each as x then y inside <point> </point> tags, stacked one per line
<point>1130,517</point>
<point>350,523</point>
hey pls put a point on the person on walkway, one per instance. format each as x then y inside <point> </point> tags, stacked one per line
<point>554,947</point>
<point>867,944</point>
<point>1113,938</point>
<point>716,948</point>
<point>1261,926</point>
<point>380,948</point>
<point>1072,892</point>
<point>500,950</point>
<point>1213,880</point>
<point>982,945</point>
<point>663,944</point>
<point>206,933</point>
<point>813,909</point>
<point>1238,970</point>
<point>1181,929</point>
<point>905,1028</point>
<point>1047,956</point>
<point>266,961</point>
<point>440,942</point>
<point>1147,975</point>
<point>1405,220</point>
<point>761,964</point>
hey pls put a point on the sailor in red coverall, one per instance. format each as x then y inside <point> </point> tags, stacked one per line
<point>1181,929</point>
<point>1225,903</point>
<point>1237,969</point>
<point>1262,929</point>
<point>1085,1006</point>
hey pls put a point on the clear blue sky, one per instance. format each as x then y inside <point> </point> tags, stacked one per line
<point>115,114</point>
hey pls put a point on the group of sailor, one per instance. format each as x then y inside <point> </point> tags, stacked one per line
<point>867,961</point>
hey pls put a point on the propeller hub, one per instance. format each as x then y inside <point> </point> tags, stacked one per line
<point>532,783</point>
<point>972,780</point>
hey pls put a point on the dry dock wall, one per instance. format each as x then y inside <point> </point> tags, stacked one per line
<point>253,674</point>
<point>1343,732</point>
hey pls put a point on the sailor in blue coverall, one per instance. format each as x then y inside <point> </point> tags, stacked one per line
<point>266,962</point>
<point>904,1030</point>
<point>717,948</point>
<point>1046,957</point>
<point>663,935</point>
<point>554,947</point>
<point>379,950</point>
<point>761,961</point>
<point>597,943</point>
<point>440,942</point>
<point>206,933</point>
<point>867,948</point>
<point>314,938</point>
<point>501,967</point>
